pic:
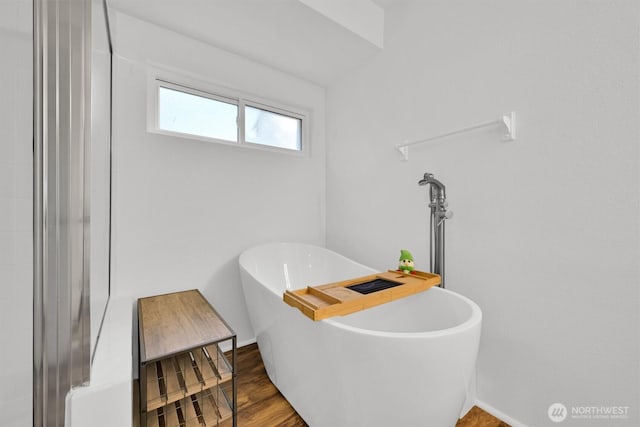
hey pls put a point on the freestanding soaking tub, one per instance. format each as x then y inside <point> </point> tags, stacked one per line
<point>406,363</point>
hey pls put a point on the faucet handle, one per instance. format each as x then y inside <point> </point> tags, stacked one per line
<point>444,215</point>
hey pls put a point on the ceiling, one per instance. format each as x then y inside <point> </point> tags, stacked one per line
<point>284,34</point>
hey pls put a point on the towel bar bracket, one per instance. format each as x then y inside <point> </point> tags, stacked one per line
<point>509,121</point>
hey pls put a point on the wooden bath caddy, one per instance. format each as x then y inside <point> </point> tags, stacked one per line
<point>349,296</point>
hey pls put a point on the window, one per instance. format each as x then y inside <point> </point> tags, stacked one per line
<point>271,128</point>
<point>197,115</point>
<point>180,110</point>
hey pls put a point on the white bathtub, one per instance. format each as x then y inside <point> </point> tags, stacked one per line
<point>404,363</point>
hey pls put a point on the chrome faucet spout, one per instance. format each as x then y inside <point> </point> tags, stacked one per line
<point>439,186</point>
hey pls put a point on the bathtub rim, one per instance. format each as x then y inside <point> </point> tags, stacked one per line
<point>474,319</point>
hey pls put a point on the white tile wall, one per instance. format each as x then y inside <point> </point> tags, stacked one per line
<point>16,236</point>
<point>7,214</point>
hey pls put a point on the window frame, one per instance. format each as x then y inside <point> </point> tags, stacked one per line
<point>229,96</point>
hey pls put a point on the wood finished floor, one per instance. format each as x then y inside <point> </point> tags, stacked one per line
<point>260,404</point>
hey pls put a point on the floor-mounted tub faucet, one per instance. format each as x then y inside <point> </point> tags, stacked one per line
<point>439,213</point>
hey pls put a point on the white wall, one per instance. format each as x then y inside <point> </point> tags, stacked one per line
<point>16,261</point>
<point>545,235</point>
<point>183,210</point>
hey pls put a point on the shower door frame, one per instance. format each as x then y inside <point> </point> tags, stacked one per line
<point>62,134</point>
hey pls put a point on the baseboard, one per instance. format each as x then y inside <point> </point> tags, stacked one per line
<point>499,414</point>
<point>226,346</point>
<point>247,342</point>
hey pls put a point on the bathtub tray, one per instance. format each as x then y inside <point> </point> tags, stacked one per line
<point>349,296</point>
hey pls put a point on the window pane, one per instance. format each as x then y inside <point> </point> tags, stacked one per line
<point>196,115</point>
<point>273,129</point>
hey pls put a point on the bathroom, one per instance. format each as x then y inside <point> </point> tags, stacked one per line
<point>546,232</point>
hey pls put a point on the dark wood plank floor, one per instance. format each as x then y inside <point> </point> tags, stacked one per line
<point>260,404</point>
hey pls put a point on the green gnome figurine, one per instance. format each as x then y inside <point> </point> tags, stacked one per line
<point>406,261</point>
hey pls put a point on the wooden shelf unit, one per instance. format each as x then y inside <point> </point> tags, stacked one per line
<point>185,378</point>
